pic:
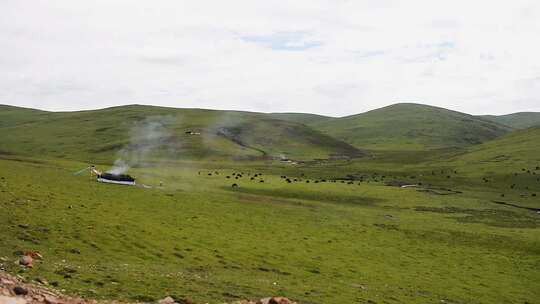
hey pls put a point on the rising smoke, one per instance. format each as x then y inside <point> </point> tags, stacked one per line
<point>147,138</point>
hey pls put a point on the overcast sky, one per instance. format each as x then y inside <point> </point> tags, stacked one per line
<point>329,57</point>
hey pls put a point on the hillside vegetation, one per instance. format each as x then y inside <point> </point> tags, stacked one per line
<point>156,132</point>
<point>301,117</point>
<point>411,127</point>
<point>216,216</point>
<point>14,116</point>
<point>198,238</point>
<point>520,120</point>
<point>98,135</point>
<point>517,150</point>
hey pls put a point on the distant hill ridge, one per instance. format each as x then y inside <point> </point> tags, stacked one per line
<point>521,120</point>
<point>159,132</point>
<point>101,134</point>
<point>412,126</point>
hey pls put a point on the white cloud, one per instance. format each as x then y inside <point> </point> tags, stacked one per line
<point>328,57</point>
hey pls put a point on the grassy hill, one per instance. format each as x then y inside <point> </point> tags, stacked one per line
<point>411,127</point>
<point>14,116</point>
<point>301,117</point>
<point>338,231</point>
<point>145,132</point>
<point>518,150</point>
<point>520,120</point>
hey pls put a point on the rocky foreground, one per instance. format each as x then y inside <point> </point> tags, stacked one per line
<point>14,291</point>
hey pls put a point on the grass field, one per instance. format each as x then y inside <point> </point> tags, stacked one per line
<point>320,242</point>
<point>343,230</point>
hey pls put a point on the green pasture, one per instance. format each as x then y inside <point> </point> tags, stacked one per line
<point>198,238</point>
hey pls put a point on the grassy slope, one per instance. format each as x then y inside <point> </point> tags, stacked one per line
<point>510,165</point>
<point>316,243</point>
<point>14,116</point>
<point>99,135</point>
<point>519,148</point>
<point>520,120</point>
<point>411,126</point>
<point>301,117</point>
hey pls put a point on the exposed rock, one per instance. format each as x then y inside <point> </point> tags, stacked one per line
<point>34,254</point>
<point>26,261</point>
<point>167,300</point>
<point>13,291</point>
<point>20,291</point>
<point>50,300</point>
<point>275,300</point>
<point>11,300</point>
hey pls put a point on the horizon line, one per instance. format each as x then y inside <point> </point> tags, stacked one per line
<point>253,111</point>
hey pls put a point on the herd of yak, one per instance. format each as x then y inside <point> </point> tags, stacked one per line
<point>374,177</point>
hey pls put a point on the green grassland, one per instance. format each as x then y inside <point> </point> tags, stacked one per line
<point>98,135</point>
<point>411,127</point>
<point>318,243</point>
<point>301,117</point>
<point>520,120</point>
<point>342,231</point>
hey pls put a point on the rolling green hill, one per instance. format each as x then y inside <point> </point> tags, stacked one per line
<point>336,231</point>
<point>520,120</point>
<point>411,127</point>
<point>163,133</point>
<point>145,132</point>
<point>13,116</point>
<point>301,117</point>
<point>516,150</point>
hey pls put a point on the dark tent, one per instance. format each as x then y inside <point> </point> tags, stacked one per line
<point>117,177</point>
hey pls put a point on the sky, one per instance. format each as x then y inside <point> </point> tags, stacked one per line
<point>335,57</point>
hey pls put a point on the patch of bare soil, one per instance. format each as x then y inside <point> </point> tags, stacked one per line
<point>14,291</point>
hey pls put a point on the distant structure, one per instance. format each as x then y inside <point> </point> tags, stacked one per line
<point>285,160</point>
<point>106,177</point>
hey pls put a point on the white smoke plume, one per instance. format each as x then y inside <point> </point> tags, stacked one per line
<point>119,167</point>
<point>147,137</point>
